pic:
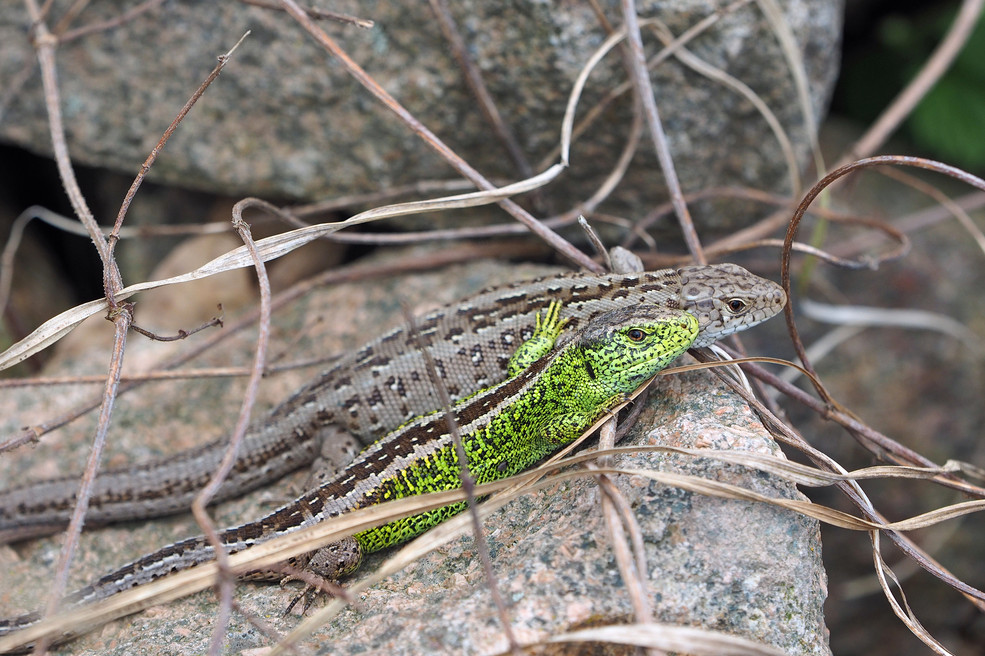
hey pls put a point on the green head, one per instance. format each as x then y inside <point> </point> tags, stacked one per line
<point>623,348</point>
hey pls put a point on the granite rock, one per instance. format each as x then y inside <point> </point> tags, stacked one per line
<point>748,569</point>
<point>284,119</point>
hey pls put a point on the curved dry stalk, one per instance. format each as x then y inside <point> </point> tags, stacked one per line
<point>858,316</point>
<point>7,257</point>
<point>795,64</point>
<point>270,248</point>
<point>227,579</point>
<point>945,201</point>
<point>577,88</point>
<point>901,608</point>
<point>702,67</point>
<point>820,186</point>
<point>596,111</point>
<point>915,221</point>
<point>67,225</point>
<point>931,541</point>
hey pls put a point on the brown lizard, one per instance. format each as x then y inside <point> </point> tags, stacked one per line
<point>377,388</point>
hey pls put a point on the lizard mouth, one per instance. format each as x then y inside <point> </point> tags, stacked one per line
<point>644,370</point>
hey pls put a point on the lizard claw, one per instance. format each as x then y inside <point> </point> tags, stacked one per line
<point>307,593</point>
<point>313,586</point>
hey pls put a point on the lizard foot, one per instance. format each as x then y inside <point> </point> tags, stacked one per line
<point>313,586</point>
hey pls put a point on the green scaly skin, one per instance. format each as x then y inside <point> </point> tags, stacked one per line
<point>374,390</point>
<point>553,395</point>
<point>579,385</point>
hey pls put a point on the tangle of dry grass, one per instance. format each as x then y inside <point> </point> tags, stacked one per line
<point>644,633</point>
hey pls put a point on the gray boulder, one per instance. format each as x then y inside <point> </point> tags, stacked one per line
<point>284,119</point>
<point>747,569</point>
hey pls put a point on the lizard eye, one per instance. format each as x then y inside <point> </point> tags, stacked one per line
<point>735,305</point>
<point>636,335</point>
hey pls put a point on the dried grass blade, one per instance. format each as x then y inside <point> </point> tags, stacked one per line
<point>270,248</point>
<point>684,639</point>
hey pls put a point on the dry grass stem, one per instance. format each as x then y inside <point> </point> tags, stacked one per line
<point>561,245</point>
<point>644,91</point>
<point>884,241</point>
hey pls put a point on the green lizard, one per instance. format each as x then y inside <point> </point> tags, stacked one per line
<point>545,403</point>
<point>558,385</point>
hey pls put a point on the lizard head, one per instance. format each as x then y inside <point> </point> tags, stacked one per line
<point>623,348</point>
<point>726,298</point>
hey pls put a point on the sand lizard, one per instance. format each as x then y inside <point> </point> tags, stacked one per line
<point>375,389</point>
<point>535,410</point>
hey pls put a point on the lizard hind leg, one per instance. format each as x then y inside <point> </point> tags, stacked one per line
<point>321,570</point>
<point>336,560</point>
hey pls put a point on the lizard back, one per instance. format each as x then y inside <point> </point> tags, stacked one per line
<point>377,388</point>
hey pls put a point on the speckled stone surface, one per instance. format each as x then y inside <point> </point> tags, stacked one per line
<point>285,120</point>
<point>737,567</point>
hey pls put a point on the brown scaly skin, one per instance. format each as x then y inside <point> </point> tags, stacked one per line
<point>507,409</point>
<point>551,397</point>
<point>372,391</point>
